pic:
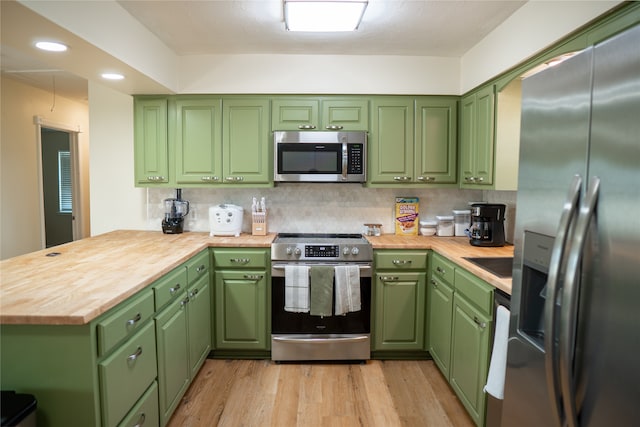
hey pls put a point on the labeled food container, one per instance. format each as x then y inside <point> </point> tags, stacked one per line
<point>445,226</point>
<point>428,227</point>
<point>461,221</point>
<point>373,229</point>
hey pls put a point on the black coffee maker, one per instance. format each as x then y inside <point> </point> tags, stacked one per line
<point>174,212</point>
<point>487,224</point>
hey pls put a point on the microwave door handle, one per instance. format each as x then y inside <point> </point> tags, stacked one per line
<point>345,161</point>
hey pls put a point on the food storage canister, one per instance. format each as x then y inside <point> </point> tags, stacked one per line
<point>461,221</point>
<point>445,225</point>
<point>428,227</point>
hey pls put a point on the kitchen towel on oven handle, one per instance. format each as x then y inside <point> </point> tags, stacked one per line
<point>347,289</point>
<point>321,290</point>
<point>296,288</point>
<point>498,364</point>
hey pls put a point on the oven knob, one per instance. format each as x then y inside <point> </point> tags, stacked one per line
<point>289,250</point>
<point>297,252</point>
<point>346,250</point>
<point>355,251</point>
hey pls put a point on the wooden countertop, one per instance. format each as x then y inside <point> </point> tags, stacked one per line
<point>92,275</point>
<point>453,248</point>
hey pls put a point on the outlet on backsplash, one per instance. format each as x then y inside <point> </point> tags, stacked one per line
<point>322,208</point>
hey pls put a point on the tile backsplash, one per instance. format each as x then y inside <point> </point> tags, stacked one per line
<point>320,208</point>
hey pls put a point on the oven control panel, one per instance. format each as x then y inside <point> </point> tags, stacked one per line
<point>321,251</point>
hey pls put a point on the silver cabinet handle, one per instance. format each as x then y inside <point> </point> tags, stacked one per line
<point>434,283</point>
<point>184,302</point>
<point>440,270</point>
<point>209,178</point>
<point>479,322</point>
<point>389,278</point>
<point>253,276</point>
<point>470,178</point>
<point>333,127</point>
<point>156,178</point>
<point>141,420</point>
<point>240,260</point>
<point>402,178</point>
<point>134,320</point>
<point>567,218</point>
<point>193,293</point>
<point>306,127</point>
<point>480,179</point>
<point>201,268</point>
<point>401,261</point>
<point>234,178</point>
<point>135,355</point>
<point>570,294</point>
<point>174,289</point>
<point>426,178</point>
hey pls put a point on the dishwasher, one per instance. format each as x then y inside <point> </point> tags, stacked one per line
<point>494,405</point>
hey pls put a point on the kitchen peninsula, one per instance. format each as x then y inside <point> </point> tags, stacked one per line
<point>58,307</point>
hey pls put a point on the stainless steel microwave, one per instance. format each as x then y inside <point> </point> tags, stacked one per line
<point>323,156</point>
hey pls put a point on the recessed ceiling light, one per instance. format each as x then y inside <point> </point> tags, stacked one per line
<point>51,46</point>
<point>112,76</point>
<point>323,16</point>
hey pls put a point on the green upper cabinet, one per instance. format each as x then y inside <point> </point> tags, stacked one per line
<point>198,140</point>
<point>436,143</point>
<point>245,141</point>
<point>151,141</point>
<point>320,113</point>
<point>391,140</point>
<point>477,138</point>
<point>413,141</point>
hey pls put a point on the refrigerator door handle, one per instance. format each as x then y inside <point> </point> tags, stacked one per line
<point>551,357</point>
<point>570,297</point>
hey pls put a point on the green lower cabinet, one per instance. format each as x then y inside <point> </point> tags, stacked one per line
<point>470,357</point>
<point>440,297</point>
<point>145,412</point>
<point>241,310</point>
<point>399,311</point>
<point>199,321</point>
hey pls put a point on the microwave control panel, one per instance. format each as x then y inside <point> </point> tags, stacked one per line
<point>355,156</point>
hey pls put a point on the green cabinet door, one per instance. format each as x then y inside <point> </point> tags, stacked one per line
<point>399,311</point>
<point>295,114</point>
<point>477,138</point>
<point>173,356</point>
<point>241,310</point>
<point>436,122</point>
<point>345,114</point>
<point>151,149</point>
<point>198,140</point>
<point>199,323</point>
<point>470,356</point>
<point>440,301</point>
<point>245,141</point>
<point>391,140</point>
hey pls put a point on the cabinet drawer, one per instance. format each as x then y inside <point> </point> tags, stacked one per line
<point>166,288</point>
<point>243,258</point>
<point>145,413</point>
<point>124,321</point>
<point>401,260</point>
<point>442,268</point>
<point>198,266</point>
<point>476,291</point>
<point>126,374</point>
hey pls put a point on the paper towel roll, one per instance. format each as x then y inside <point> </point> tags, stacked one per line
<point>498,365</point>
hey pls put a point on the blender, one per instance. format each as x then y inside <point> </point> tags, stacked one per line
<point>174,212</point>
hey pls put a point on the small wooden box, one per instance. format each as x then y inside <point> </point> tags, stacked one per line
<point>259,224</point>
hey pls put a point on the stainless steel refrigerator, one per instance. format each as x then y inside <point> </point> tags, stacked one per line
<point>574,337</point>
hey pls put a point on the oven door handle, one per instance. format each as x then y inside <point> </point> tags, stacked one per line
<point>277,270</point>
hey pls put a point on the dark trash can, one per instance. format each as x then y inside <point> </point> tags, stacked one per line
<point>17,410</point>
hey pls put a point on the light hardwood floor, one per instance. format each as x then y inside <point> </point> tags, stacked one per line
<point>264,393</point>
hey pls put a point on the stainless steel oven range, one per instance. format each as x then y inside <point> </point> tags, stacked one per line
<point>296,333</point>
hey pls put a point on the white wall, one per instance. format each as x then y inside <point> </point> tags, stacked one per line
<point>20,224</point>
<point>115,202</point>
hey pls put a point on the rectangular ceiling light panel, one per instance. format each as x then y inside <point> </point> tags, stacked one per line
<point>323,16</point>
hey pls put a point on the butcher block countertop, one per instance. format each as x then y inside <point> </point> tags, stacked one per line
<point>74,283</point>
<point>453,248</point>
<point>90,276</point>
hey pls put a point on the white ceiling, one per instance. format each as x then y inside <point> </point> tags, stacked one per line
<point>389,27</point>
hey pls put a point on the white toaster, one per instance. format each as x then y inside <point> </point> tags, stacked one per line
<point>225,220</point>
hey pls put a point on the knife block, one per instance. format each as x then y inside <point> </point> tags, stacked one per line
<point>259,223</point>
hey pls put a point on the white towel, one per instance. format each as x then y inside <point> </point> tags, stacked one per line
<point>296,288</point>
<point>347,289</point>
<point>498,365</point>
